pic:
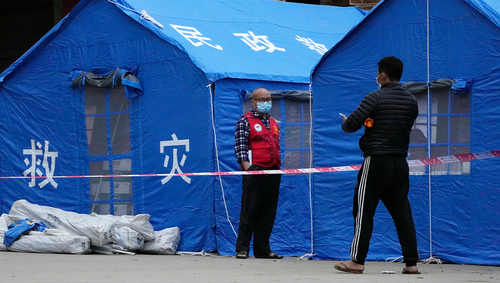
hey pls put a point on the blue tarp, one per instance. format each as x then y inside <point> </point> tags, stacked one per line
<point>50,118</point>
<point>457,216</point>
<point>23,226</point>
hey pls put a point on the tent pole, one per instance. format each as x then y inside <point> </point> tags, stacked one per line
<point>310,255</point>
<point>431,258</point>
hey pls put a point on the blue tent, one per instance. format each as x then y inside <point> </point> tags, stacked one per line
<point>155,87</point>
<point>450,49</point>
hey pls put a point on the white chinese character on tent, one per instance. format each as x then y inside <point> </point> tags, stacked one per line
<point>320,48</point>
<point>175,163</point>
<point>258,42</point>
<point>194,36</point>
<point>36,150</point>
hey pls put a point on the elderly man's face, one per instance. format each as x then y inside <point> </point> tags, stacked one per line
<point>261,95</point>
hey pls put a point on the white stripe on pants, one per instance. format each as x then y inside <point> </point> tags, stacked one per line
<point>361,199</point>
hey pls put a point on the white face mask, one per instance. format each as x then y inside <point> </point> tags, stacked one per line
<point>264,107</point>
<point>376,79</point>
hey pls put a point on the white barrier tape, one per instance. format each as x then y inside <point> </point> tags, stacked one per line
<point>417,162</point>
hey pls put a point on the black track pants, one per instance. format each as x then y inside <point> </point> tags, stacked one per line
<point>383,177</point>
<point>259,201</point>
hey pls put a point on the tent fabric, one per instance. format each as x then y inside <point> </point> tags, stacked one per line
<point>456,216</point>
<point>192,74</point>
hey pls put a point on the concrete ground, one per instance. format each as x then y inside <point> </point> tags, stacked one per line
<point>33,267</point>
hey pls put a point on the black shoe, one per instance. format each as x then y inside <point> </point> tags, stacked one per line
<point>242,255</point>
<point>270,255</point>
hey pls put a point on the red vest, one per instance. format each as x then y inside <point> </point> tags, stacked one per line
<point>265,145</point>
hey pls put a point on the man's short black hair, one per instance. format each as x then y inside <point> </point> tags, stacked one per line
<point>392,67</point>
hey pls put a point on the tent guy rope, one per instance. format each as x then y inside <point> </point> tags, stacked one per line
<point>217,159</point>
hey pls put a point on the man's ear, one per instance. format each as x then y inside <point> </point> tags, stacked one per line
<point>385,77</point>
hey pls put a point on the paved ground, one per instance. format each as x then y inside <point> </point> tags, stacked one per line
<point>32,267</point>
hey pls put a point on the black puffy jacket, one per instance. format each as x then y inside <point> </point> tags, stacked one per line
<point>393,110</point>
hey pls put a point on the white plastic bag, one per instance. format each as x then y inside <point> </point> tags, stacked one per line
<point>5,222</point>
<point>4,227</point>
<point>2,246</point>
<point>99,229</point>
<point>129,239</point>
<point>139,223</point>
<point>165,243</point>
<point>39,242</point>
<point>55,232</point>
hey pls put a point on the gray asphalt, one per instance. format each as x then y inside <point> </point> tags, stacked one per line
<point>34,267</point>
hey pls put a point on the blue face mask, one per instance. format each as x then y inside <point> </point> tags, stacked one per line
<point>264,107</point>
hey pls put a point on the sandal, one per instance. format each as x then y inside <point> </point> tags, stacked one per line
<point>270,255</point>
<point>405,271</point>
<point>343,267</point>
<point>242,255</point>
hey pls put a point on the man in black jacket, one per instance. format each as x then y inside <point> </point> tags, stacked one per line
<point>388,115</point>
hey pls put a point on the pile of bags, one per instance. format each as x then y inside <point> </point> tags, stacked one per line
<point>35,228</point>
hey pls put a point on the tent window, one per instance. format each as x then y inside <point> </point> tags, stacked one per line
<point>293,118</point>
<point>109,151</point>
<point>450,130</point>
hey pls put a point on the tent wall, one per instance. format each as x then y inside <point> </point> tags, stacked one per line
<point>463,43</point>
<point>28,114</point>
<point>39,103</point>
<point>292,229</point>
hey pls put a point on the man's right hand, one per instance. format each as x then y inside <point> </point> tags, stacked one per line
<point>343,117</point>
<point>245,165</point>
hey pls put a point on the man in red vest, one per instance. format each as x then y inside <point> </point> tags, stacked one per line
<point>257,132</point>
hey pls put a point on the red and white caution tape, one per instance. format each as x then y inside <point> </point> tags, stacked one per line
<point>418,162</point>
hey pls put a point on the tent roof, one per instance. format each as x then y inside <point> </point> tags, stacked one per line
<point>489,8</point>
<point>258,39</point>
